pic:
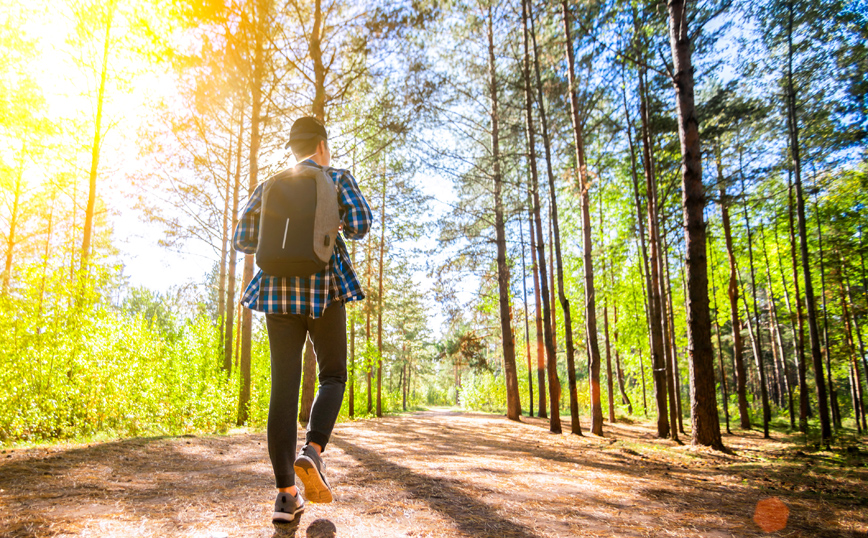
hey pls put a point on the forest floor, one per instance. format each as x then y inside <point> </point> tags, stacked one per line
<point>443,473</point>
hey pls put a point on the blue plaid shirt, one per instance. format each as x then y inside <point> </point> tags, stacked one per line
<point>307,295</point>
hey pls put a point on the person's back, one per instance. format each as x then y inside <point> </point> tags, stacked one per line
<point>298,305</point>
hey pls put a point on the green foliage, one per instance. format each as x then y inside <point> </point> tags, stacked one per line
<point>483,391</point>
<point>81,367</point>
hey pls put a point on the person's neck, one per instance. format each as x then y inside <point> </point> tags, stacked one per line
<point>318,159</point>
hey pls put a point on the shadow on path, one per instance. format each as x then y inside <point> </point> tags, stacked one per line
<point>447,496</point>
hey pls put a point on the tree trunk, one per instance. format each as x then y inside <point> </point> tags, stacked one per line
<point>513,400</point>
<point>775,384</point>
<point>319,70</point>
<point>255,141</point>
<point>776,331</point>
<point>733,292</point>
<point>97,139</point>
<point>854,398</point>
<point>590,295</point>
<point>641,360</point>
<point>813,332</point>
<point>704,418</point>
<point>526,322</point>
<point>610,385</point>
<point>756,336</point>
<point>624,398</point>
<point>801,365</point>
<point>554,285</point>
<point>538,315</point>
<point>670,329</point>
<point>836,411</point>
<point>548,314</point>
<point>723,391</point>
<point>369,255</point>
<point>380,298</point>
<point>658,357</point>
<point>656,260</point>
<point>531,144</point>
<point>224,243</point>
<point>847,297</point>
<point>46,252</point>
<point>229,329</point>
<point>645,275</point>
<point>13,218</point>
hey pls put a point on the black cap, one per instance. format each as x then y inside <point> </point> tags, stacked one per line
<point>306,128</point>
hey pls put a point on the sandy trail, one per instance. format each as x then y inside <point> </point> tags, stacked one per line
<point>438,473</point>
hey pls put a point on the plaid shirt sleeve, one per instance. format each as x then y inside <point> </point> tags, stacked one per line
<point>355,213</point>
<point>247,230</point>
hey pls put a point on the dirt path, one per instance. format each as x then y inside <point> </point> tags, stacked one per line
<point>440,474</point>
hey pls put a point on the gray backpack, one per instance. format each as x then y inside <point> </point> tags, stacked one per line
<point>298,224</point>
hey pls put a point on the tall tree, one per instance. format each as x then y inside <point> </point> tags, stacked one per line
<point>704,418</point>
<point>590,296</point>
<point>554,388</point>
<point>513,404</point>
<point>260,17</point>
<point>813,331</point>
<point>105,15</point>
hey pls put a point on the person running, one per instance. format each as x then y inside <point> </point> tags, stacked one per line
<point>295,307</point>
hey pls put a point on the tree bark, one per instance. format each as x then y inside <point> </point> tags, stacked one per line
<point>610,385</point>
<point>532,163</point>
<point>224,243</point>
<point>733,292</point>
<point>319,70</point>
<point>669,321</point>
<point>624,398</point>
<point>854,398</point>
<point>723,391</point>
<point>776,332</point>
<point>641,360</point>
<point>588,262</point>
<point>554,388</point>
<point>538,315</point>
<point>255,141</point>
<point>846,297</point>
<point>513,400</point>
<point>654,311</point>
<point>836,411</point>
<point>46,252</point>
<point>645,275</point>
<point>229,329</point>
<point>813,332</point>
<point>797,319</point>
<point>380,297</point>
<point>704,418</point>
<point>369,257</point>
<point>526,322</point>
<point>97,139</point>
<point>756,336</point>
<point>14,218</point>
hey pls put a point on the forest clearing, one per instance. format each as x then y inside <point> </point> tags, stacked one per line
<point>443,473</point>
<point>634,232</point>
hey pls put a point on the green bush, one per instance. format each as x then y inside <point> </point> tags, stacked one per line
<point>483,391</point>
<point>75,366</point>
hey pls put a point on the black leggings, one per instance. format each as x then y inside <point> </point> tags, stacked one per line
<point>286,337</point>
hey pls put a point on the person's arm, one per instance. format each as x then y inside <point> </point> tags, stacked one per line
<point>246,234</point>
<point>356,218</point>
